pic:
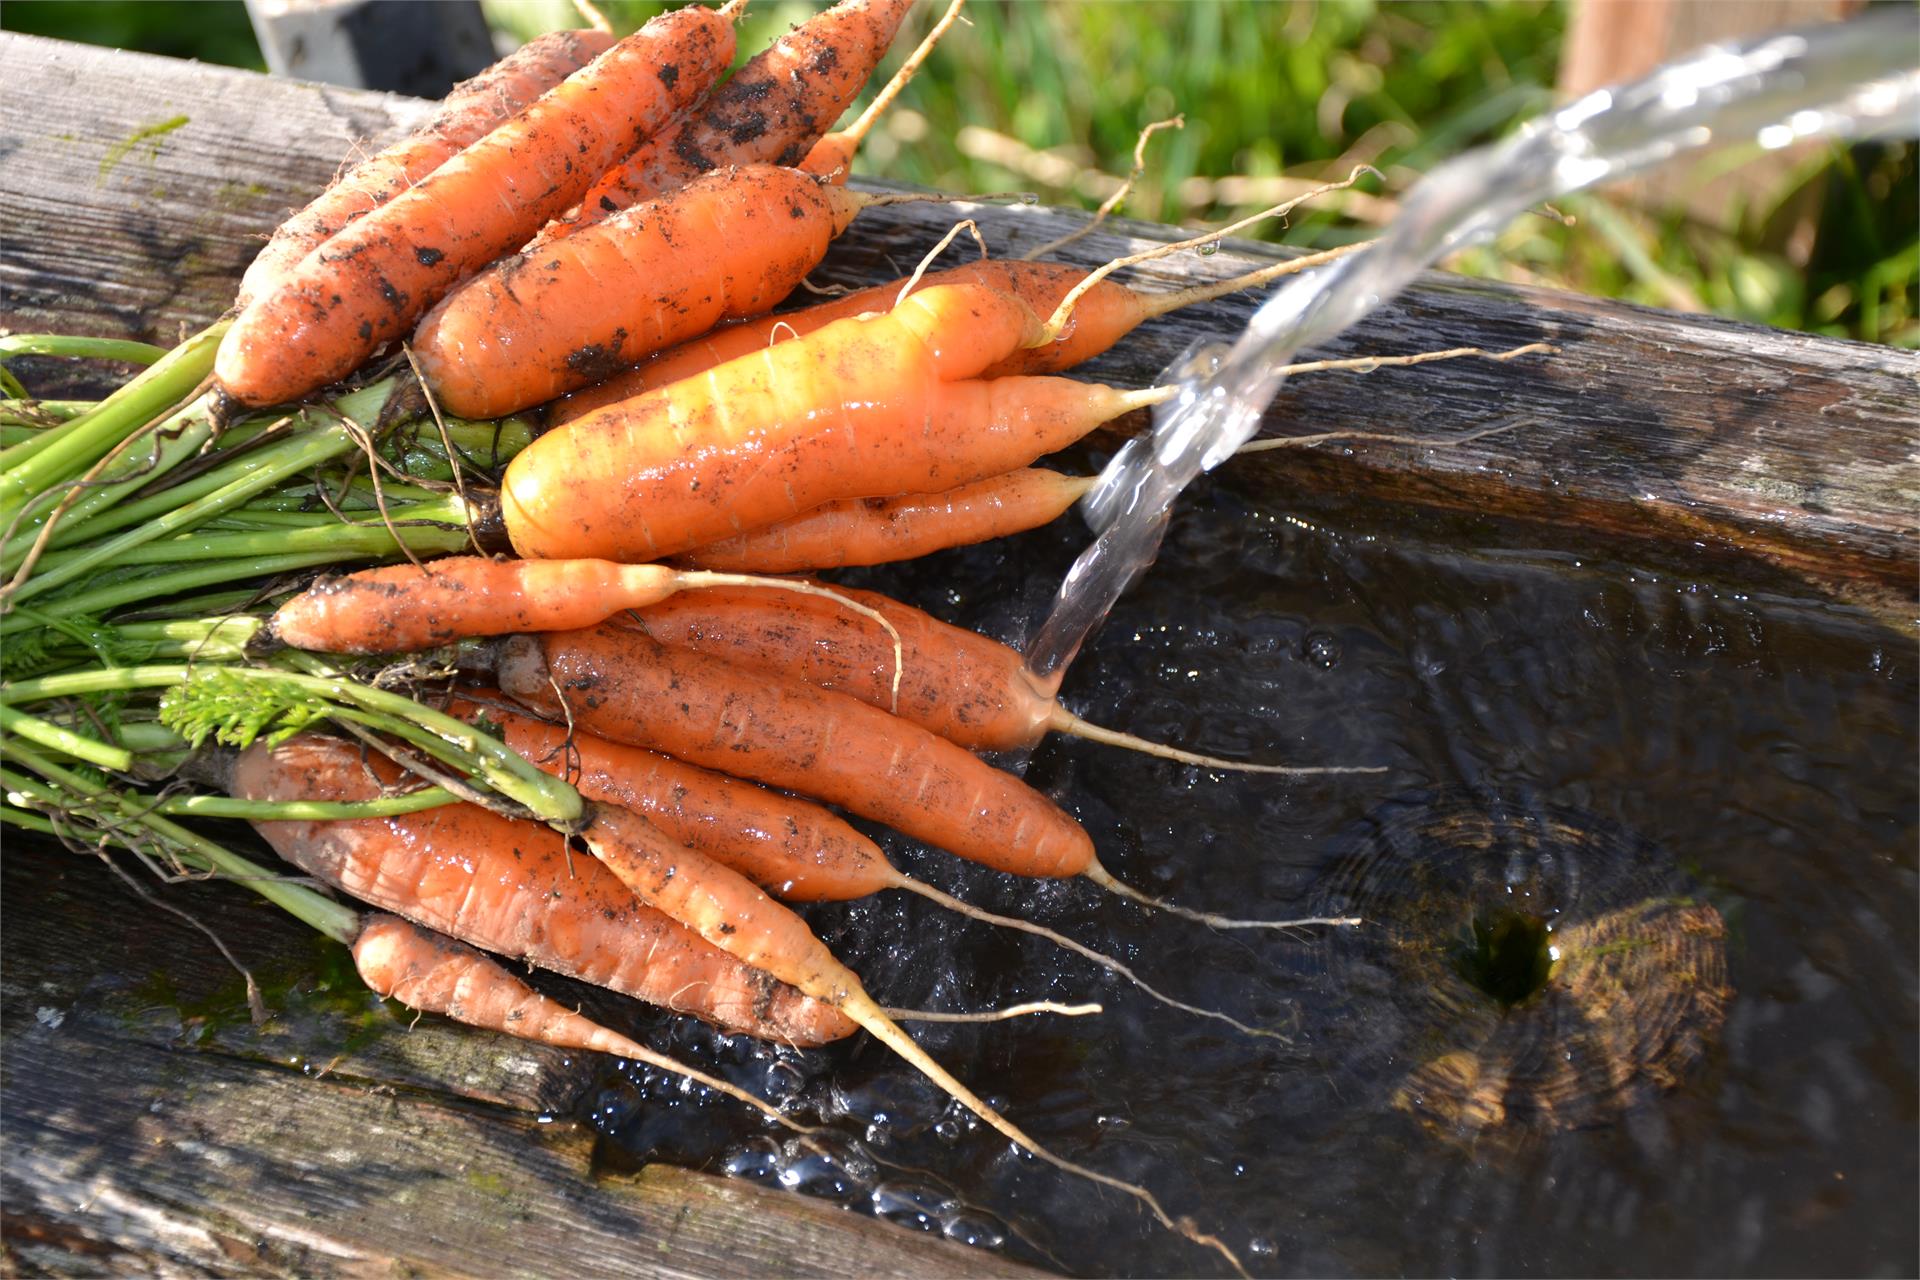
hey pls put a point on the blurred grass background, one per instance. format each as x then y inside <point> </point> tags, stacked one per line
<point>1050,97</point>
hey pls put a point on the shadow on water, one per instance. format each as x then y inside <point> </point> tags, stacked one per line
<point>1637,993</point>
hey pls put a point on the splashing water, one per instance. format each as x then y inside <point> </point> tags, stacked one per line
<point>1853,79</point>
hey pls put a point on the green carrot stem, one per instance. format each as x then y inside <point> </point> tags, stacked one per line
<point>486,758</point>
<point>148,737</point>
<point>64,740</point>
<point>34,465</point>
<point>244,475</point>
<point>37,415</point>
<point>329,917</point>
<point>267,469</point>
<point>358,496</point>
<point>230,629</point>
<point>212,604</point>
<point>173,441</point>
<point>305,810</point>
<point>11,387</point>
<point>425,535</point>
<point>10,434</point>
<point>154,586</point>
<point>59,344</point>
<point>31,821</point>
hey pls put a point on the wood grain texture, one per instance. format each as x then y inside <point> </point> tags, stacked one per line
<point>152,1130</point>
<point>1773,459</point>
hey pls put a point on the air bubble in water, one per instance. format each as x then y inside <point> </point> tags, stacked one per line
<point>921,1208</point>
<point>1323,650</point>
<point>975,1229</point>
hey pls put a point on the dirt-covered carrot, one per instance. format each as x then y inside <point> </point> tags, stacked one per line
<point>728,911</point>
<point>406,607</point>
<point>789,847</point>
<point>1103,316</point>
<point>862,531</point>
<point>472,110</point>
<point>398,960</point>
<point>770,112</point>
<point>968,688</point>
<point>622,685</point>
<point>867,407</point>
<point>794,850</point>
<point>511,888</point>
<point>373,279</point>
<point>832,156</point>
<point>556,317</point>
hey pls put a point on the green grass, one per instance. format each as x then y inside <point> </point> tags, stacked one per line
<point>1286,91</point>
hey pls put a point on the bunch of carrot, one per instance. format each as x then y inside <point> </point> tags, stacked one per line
<point>582,779</point>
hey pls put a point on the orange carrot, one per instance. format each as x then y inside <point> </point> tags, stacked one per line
<point>729,912</point>
<point>864,531</point>
<point>1103,316</point>
<point>967,688</point>
<point>511,888</point>
<point>367,284</point>
<point>867,407</point>
<point>790,848</point>
<point>400,961</point>
<point>472,110</point>
<point>621,685</point>
<point>786,846</point>
<point>561,315</point>
<point>832,156</point>
<point>406,607</point>
<point>770,112</point>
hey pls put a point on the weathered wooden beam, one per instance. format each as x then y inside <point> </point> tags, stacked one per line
<point>150,1129</point>
<point>1778,460</point>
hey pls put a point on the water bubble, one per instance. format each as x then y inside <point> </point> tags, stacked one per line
<point>912,1205</point>
<point>613,1107</point>
<point>1323,650</point>
<point>1262,1247</point>
<point>949,1131</point>
<point>756,1164</point>
<point>975,1229</point>
<point>813,1174</point>
<point>1210,248</point>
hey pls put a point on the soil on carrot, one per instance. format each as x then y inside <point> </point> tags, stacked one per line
<point>1749,760</point>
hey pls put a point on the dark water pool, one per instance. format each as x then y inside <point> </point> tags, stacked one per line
<point>1570,742</point>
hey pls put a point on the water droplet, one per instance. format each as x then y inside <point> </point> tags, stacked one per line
<point>1262,1247</point>
<point>1210,248</point>
<point>1323,650</point>
<point>1029,197</point>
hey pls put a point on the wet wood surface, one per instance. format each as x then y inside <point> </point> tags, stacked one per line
<point>149,1131</point>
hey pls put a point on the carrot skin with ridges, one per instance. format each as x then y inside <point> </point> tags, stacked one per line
<point>1103,316</point>
<point>789,847</point>
<point>371,281</point>
<point>511,888</point>
<point>557,317</point>
<point>863,531</point>
<point>969,689</point>
<point>769,112</point>
<point>471,110</point>
<point>625,686</point>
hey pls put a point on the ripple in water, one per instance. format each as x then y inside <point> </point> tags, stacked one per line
<point>1534,969</point>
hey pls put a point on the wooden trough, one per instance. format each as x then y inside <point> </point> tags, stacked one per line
<point>141,1135</point>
